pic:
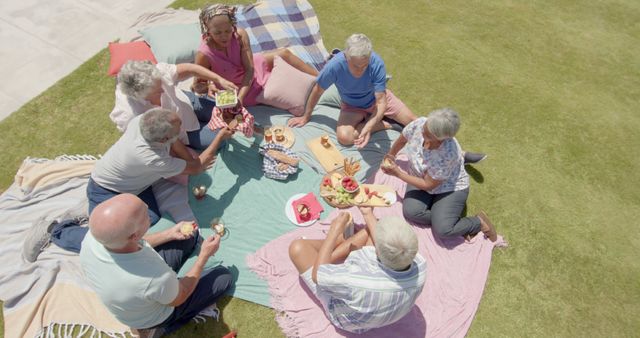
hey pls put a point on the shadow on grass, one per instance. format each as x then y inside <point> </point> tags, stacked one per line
<point>474,173</point>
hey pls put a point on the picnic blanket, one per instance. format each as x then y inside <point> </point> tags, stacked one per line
<point>252,206</point>
<point>456,275</point>
<point>270,24</point>
<point>52,289</point>
<point>287,23</point>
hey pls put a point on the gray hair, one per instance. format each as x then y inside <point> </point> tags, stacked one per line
<point>358,45</point>
<point>137,78</point>
<point>155,125</point>
<point>443,123</point>
<point>396,243</point>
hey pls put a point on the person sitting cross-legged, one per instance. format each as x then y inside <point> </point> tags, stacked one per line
<point>143,156</point>
<point>382,267</point>
<point>134,273</point>
<point>140,158</point>
<point>437,182</point>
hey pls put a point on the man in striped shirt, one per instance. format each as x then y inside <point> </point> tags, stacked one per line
<point>378,282</point>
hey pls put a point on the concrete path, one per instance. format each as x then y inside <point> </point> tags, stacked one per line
<point>42,41</point>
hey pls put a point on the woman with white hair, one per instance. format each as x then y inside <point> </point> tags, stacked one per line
<point>381,267</point>
<point>143,85</point>
<point>361,78</point>
<point>437,183</point>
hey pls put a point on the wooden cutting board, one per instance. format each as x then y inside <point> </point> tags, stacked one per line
<point>329,157</point>
<point>373,201</point>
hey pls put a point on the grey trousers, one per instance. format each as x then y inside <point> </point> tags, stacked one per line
<point>441,211</point>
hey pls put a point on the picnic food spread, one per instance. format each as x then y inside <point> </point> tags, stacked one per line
<point>342,190</point>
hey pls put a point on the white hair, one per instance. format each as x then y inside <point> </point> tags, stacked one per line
<point>443,123</point>
<point>396,243</point>
<point>156,126</point>
<point>137,78</point>
<point>358,45</point>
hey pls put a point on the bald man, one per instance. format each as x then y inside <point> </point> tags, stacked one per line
<point>126,267</point>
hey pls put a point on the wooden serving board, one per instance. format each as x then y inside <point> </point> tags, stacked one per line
<point>374,201</point>
<point>329,157</point>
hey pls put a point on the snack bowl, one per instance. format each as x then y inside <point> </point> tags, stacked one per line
<point>350,184</point>
<point>226,98</point>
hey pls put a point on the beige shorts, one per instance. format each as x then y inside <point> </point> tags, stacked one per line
<point>394,106</point>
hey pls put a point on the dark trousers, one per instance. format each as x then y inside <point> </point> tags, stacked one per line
<point>203,107</point>
<point>97,194</point>
<point>211,286</point>
<point>68,234</point>
<point>441,211</point>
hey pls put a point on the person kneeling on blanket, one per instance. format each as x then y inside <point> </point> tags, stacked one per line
<point>136,278</point>
<point>380,279</point>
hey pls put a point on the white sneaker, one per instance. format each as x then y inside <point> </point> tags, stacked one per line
<point>211,311</point>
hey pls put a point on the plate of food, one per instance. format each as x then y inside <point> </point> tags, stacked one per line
<point>291,214</point>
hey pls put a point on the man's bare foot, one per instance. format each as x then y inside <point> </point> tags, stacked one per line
<point>487,227</point>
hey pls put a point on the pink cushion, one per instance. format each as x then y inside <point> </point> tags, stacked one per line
<point>287,88</point>
<point>123,52</point>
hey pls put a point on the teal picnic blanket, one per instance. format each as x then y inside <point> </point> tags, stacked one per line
<point>252,206</point>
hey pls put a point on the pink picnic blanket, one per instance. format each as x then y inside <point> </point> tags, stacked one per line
<point>456,275</point>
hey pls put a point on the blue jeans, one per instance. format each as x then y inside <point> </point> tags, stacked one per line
<point>97,194</point>
<point>69,235</point>
<point>211,286</point>
<point>203,107</point>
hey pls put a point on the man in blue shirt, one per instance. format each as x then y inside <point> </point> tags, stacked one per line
<point>360,76</point>
<point>367,105</point>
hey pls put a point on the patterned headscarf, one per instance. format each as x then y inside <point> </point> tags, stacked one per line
<point>210,11</point>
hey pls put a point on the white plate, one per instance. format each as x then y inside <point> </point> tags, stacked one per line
<point>390,196</point>
<point>291,215</point>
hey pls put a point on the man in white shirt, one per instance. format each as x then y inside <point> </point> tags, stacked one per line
<point>125,267</point>
<point>378,282</point>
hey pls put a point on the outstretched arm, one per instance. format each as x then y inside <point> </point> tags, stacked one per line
<point>186,70</point>
<point>312,101</point>
<point>247,62</point>
<point>365,133</point>
<point>206,158</point>
<point>190,280</point>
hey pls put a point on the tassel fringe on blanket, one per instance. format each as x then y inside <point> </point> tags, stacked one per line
<point>77,330</point>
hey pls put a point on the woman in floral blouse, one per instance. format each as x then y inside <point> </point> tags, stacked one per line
<point>437,183</point>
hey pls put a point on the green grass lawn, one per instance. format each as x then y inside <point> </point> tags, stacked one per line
<point>549,89</point>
